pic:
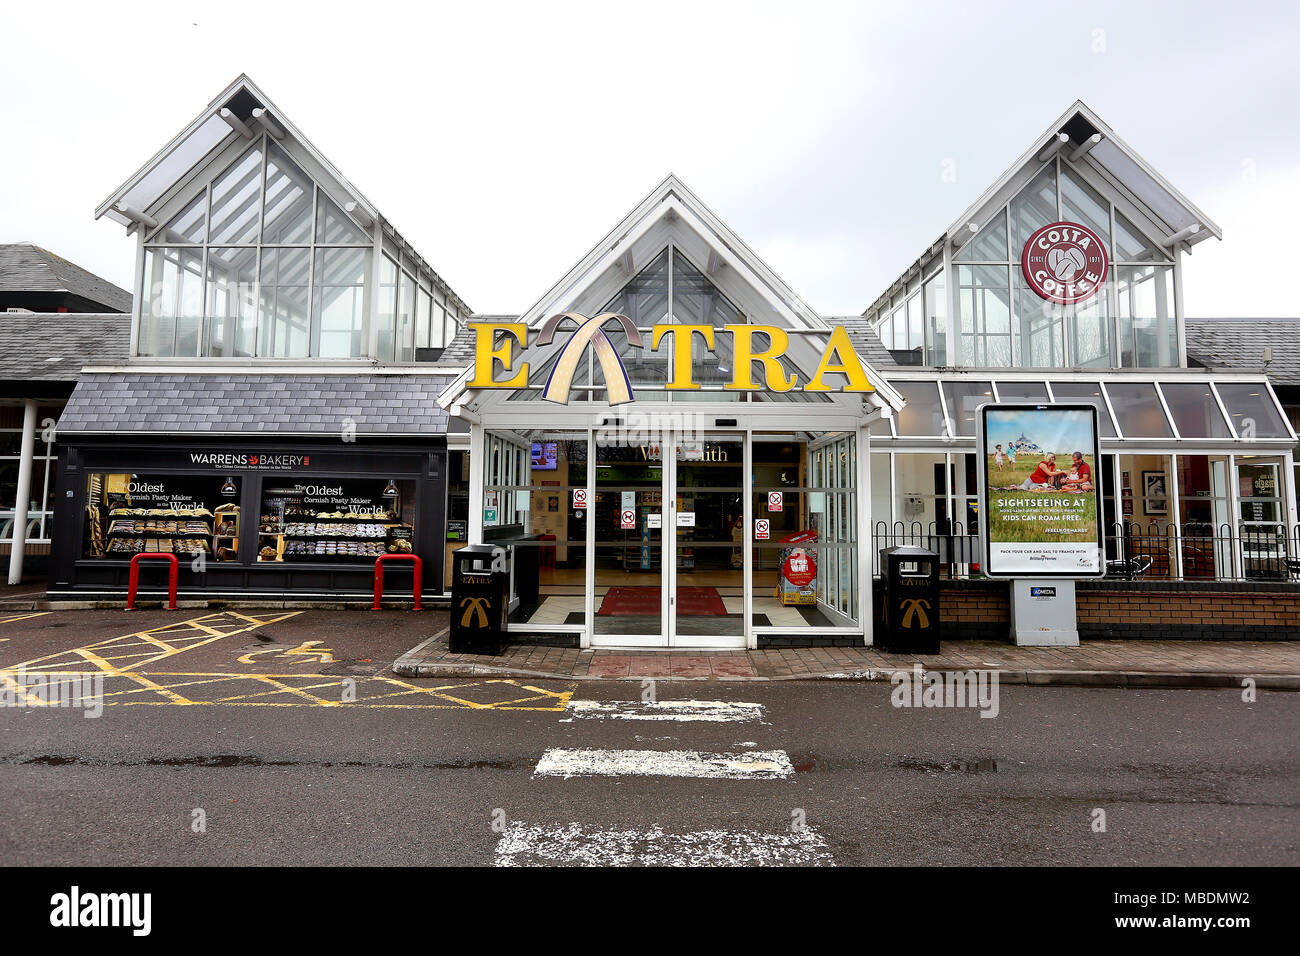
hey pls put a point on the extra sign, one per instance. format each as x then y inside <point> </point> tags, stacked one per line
<point>579,499</point>
<point>627,519</point>
<point>762,529</point>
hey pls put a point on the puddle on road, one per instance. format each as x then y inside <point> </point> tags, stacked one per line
<point>223,761</point>
<point>806,763</point>
<point>987,765</point>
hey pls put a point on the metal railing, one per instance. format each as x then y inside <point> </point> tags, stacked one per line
<point>1134,551</point>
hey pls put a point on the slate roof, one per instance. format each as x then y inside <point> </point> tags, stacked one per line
<point>53,346</point>
<point>1240,344</point>
<point>865,341</point>
<point>460,350</point>
<point>28,268</point>
<point>241,403</point>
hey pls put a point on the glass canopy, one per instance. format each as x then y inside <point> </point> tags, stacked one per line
<point>944,409</point>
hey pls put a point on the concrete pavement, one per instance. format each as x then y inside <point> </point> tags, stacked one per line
<point>1271,664</point>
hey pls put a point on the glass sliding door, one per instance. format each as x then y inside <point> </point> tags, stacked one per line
<point>707,593</point>
<point>630,531</point>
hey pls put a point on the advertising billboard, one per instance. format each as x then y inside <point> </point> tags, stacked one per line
<point>1041,491</point>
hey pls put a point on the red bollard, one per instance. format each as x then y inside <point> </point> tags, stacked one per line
<point>133,583</point>
<point>379,577</point>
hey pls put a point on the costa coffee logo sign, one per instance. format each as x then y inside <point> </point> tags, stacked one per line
<point>1065,262</point>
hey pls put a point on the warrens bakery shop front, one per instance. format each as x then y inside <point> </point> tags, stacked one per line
<point>299,514</point>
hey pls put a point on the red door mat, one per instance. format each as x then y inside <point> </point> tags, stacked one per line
<point>693,602</point>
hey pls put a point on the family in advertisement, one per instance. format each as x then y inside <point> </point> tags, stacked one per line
<point>1041,490</point>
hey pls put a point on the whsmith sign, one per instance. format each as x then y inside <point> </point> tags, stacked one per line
<point>838,357</point>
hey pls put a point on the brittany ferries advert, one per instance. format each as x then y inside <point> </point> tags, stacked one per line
<point>1041,498</point>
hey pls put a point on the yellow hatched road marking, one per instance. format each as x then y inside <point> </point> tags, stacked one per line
<point>127,655</point>
<point>286,689</point>
<point>21,690</point>
<point>185,636</point>
<point>25,617</point>
<point>373,692</point>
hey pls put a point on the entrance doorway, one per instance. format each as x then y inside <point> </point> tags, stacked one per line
<point>669,555</point>
<point>667,538</point>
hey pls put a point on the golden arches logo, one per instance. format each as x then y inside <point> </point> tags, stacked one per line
<point>590,330</point>
<point>478,609</point>
<point>913,608</point>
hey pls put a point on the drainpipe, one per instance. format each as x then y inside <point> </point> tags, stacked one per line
<point>19,542</point>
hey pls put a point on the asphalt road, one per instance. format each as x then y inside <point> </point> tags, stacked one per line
<point>281,738</point>
<point>1184,777</point>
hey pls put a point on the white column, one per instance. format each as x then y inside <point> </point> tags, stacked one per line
<point>1286,487</point>
<point>747,539</point>
<point>590,537</point>
<point>1234,519</point>
<point>1178,309</point>
<point>24,492</point>
<point>1176,514</point>
<point>477,461</point>
<point>866,607</point>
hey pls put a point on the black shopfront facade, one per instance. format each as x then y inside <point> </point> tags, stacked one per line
<point>249,518</point>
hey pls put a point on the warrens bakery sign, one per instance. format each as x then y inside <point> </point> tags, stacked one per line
<point>259,462</point>
<point>1065,262</point>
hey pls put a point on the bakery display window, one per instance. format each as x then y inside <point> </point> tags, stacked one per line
<point>335,519</point>
<point>129,514</point>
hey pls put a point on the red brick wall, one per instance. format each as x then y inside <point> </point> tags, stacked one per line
<point>981,611</point>
<point>975,606</point>
<point>1222,615</point>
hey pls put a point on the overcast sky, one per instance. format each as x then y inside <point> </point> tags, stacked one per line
<point>504,139</point>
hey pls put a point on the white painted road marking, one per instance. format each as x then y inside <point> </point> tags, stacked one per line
<point>747,765</point>
<point>682,710</point>
<point>522,845</point>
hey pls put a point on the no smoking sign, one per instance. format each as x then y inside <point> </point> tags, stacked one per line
<point>775,501</point>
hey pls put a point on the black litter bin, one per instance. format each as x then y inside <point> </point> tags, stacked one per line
<point>480,591</point>
<point>911,601</point>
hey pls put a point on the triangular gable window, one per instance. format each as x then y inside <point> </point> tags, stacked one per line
<point>1033,208</point>
<point>188,225</point>
<point>1132,246</point>
<point>237,200</point>
<point>1083,204</point>
<point>276,269</point>
<point>333,227</point>
<point>288,201</point>
<point>670,289</point>
<point>990,245</point>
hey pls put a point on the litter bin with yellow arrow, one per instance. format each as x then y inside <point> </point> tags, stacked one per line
<point>480,591</point>
<point>911,624</point>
